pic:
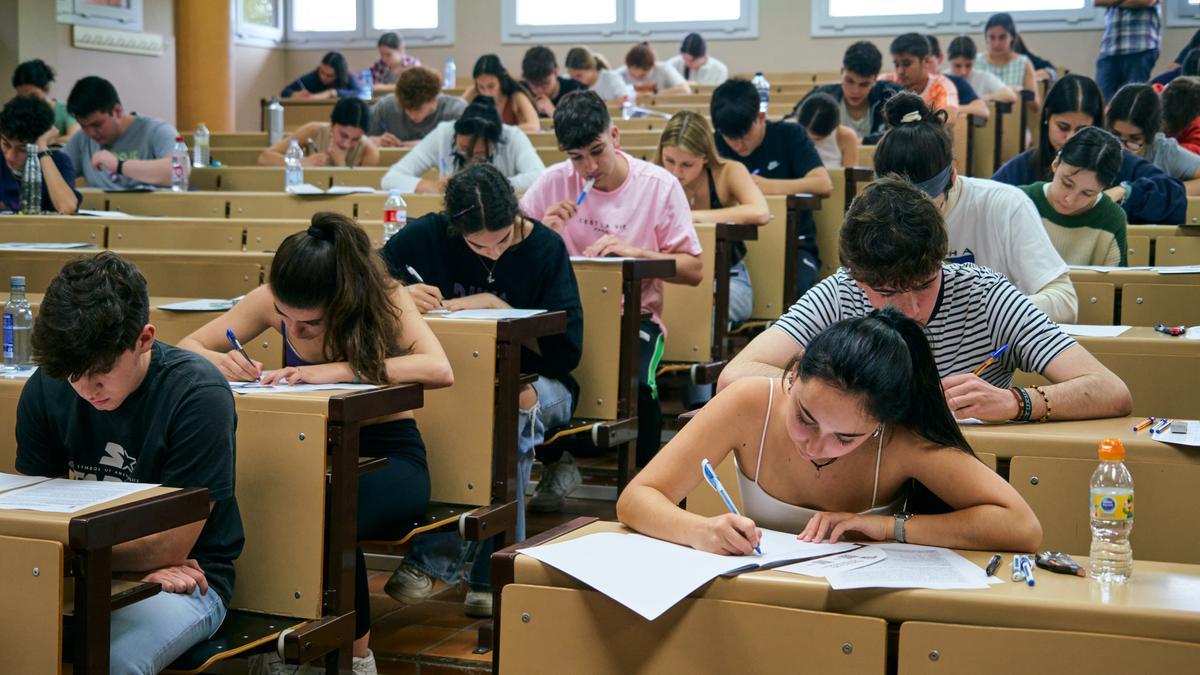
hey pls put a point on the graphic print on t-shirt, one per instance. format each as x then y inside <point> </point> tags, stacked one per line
<point>603,228</point>
<point>115,465</point>
<point>967,256</point>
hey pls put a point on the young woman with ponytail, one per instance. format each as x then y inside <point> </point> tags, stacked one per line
<point>854,439</point>
<point>343,319</point>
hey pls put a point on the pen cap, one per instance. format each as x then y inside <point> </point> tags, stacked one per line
<point>1112,450</point>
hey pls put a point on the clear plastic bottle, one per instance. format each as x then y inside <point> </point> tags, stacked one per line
<point>1111,555</point>
<point>629,102</point>
<point>18,327</point>
<point>450,75</point>
<point>179,162</point>
<point>366,84</point>
<point>274,121</point>
<point>395,215</point>
<point>31,181</point>
<point>293,171</point>
<point>200,146</point>
<point>764,91</point>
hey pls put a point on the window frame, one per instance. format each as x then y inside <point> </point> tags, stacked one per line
<point>365,36</point>
<point>81,13</point>
<point>954,18</point>
<point>258,35</point>
<point>1181,14</point>
<point>626,28</point>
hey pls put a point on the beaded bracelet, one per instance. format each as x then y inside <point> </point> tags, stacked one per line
<point>1046,399</point>
<point>1020,403</point>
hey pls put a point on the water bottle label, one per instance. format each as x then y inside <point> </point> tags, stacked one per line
<point>1112,506</point>
<point>389,215</point>
<point>9,340</point>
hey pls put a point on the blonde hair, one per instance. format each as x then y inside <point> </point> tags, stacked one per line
<point>689,130</point>
<point>582,58</point>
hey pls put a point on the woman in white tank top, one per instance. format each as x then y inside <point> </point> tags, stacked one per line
<point>856,432</point>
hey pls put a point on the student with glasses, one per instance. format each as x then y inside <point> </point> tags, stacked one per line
<point>1135,117</point>
<point>477,136</point>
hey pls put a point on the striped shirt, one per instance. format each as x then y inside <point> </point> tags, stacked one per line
<point>977,312</point>
<point>1012,74</point>
<point>1129,31</point>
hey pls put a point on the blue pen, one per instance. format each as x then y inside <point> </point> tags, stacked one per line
<point>237,345</point>
<point>990,360</point>
<point>1027,570</point>
<point>1161,425</point>
<point>586,187</point>
<point>711,477</point>
<point>754,172</point>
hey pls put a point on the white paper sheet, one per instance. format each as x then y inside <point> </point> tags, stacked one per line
<point>649,576</point>
<point>1191,438</point>
<point>52,245</point>
<point>103,214</point>
<point>17,374</point>
<point>257,388</point>
<point>10,481</point>
<point>1178,269</point>
<point>61,495</point>
<point>850,560</point>
<point>494,314</point>
<point>1110,268</point>
<point>1084,330</point>
<point>913,566</point>
<point>199,306</point>
<point>304,189</point>
<point>1193,333</point>
<point>350,190</point>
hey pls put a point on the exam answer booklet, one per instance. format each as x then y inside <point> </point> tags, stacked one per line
<point>61,495</point>
<point>649,576</point>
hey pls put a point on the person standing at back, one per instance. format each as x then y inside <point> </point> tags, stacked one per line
<point>694,63</point>
<point>1129,48</point>
<point>117,150</point>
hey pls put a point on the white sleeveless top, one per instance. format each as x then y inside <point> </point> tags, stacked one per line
<point>829,152</point>
<point>771,513</point>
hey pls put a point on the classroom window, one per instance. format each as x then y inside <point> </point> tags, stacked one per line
<point>345,24</point>
<point>536,21</point>
<point>892,17</point>
<point>1183,13</point>
<point>258,22</point>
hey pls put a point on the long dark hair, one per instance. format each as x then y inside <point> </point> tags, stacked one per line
<point>918,149</point>
<point>341,69</point>
<point>1003,20</point>
<point>490,64</point>
<point>1072,93</point>
<point>480,121</point>
<point>331,266</point>
<point>480,198</point>
<point>1139,105</point>
<point>907,391</point>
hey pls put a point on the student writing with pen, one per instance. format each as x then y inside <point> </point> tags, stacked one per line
<point>343,319</point>
<point>482,252</point>
<point>893,244</point>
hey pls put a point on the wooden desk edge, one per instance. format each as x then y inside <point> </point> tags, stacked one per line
<point>126,522</point>
<point>357,406</point>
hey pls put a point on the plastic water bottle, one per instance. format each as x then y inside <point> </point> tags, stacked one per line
<point>200,141</point>
<point>293,171</point>
<point>764,91</point>
<point>274,121</point>
<point>395,215</point>
<point>366,82</point>
<point>18,326</point>
<point>1111,555</point>
<point>31,182</point>
<point>179,162</point>
<point>450,75</point>
<point>629,103</point>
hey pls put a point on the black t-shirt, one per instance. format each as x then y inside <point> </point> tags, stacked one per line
<point>533,274</point>
<point>567,85</point>
<point>966,93</point>
<point>177,428</point>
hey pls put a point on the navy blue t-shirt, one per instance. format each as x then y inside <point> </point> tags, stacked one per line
<point>10,185</point>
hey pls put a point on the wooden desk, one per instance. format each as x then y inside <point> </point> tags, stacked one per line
<point>89,535</point>
<point>1144,298</point>
<point>1075,440</point>
<point>543,613</point>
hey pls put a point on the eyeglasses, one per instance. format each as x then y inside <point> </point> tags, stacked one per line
<point>1131,144</point>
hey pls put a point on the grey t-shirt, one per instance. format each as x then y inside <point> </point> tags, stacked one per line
<point>146,138</point>
<point>388,116</point>
<point>861,126</point>
<point>1175,161</point>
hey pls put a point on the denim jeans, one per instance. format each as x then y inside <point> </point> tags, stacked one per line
<point>741,294</point>
<point>1116,71</point>
<point>149,635</point>
<point>442,555</point>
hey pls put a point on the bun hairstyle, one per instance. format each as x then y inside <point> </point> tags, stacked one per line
<point>480,121</point>
<point>1093,149</point>
<point>819,114</point>
<point>917,145</point>
<point>641,56</point>
<point>331,266</point>
<point>582,58</point>
<point>480,198</point>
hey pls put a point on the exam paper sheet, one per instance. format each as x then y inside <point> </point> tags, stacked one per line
<point>842,562</point>
<point>1083,330</point>
<point>10,481</point>
<point>912,566</point>
<point>204,305</point>
<point>494,314</point>
<point>62,495</point>
<point>258,388</point>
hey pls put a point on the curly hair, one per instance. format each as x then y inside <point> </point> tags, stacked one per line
<point>92,313</point>
<point>417,86</point>
<point>25,118</point>
<point>893,236</point>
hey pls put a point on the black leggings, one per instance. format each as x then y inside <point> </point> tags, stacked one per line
<point>391,500</point>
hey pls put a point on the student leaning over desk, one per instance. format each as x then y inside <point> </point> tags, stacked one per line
<point>483,253</point>
<point>27,120</point>
<point>893,246</point>
<point>343,319</point>
<point>109,402</point>
<point>854,439</point>
<point>341,141</point>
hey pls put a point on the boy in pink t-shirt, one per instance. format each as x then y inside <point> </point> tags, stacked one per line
<point>634,209</point>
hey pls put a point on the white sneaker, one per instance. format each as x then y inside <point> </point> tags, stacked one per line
<point>478,604</point>
<point>409,585</point>
<point>558,480</point>
<point>365,665</point>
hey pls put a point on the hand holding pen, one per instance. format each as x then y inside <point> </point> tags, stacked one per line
<point>237,364</point>
<point>730,533</point>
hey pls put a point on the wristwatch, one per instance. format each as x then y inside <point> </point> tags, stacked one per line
<point>120,167</point>
<point>43,153</point>
<point>900,519</point>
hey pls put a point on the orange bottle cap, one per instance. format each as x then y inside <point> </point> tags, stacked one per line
<point>1112,450</point>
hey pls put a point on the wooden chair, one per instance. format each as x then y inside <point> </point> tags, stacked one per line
<point>1171,304</point>
<point>1175,250</point>
<point>1097,303</point>
<point>57,229</point>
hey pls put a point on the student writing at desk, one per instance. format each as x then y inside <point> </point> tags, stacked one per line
<point>343,319</point>
<point>633,209</point>
<point>855,439</point>
<point>483,253</point>
<point>26,120</point>
<point>341,141</point>
<point>893,245</point>
<point>109,402</point>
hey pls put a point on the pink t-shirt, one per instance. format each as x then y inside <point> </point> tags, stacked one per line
<point>649,210</point>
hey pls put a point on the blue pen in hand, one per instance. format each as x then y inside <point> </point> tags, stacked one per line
<point>237,345</point>
<point>711,477</point>
<point>586,188</point>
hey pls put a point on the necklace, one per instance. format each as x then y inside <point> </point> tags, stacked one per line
<point>491,278</point>
<point>822,466</point>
